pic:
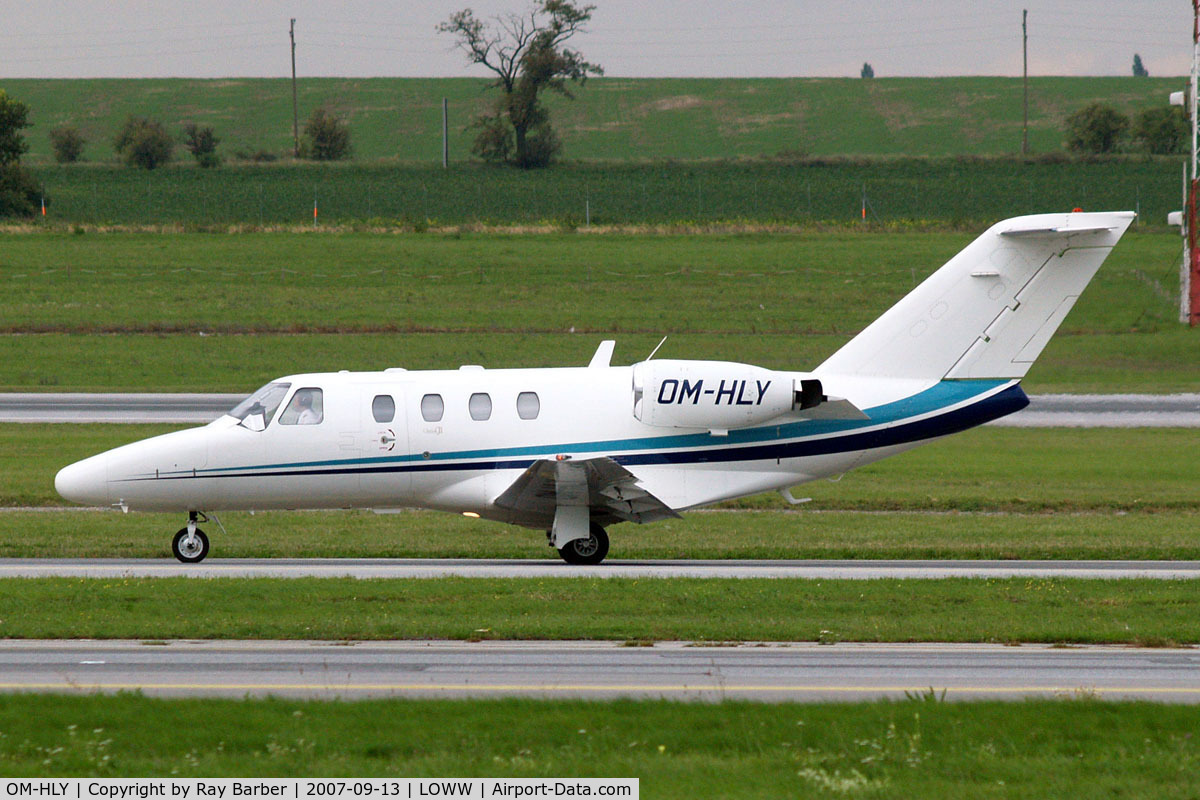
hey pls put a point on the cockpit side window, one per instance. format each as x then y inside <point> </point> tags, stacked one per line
<point>257,410</point>
<point>306,408</point>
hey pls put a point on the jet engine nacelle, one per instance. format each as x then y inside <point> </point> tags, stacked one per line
<point>718,395</point>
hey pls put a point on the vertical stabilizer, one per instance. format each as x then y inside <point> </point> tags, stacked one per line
<point>992,308</point>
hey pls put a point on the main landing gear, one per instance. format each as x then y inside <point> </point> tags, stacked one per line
<point>190,545</point>
<point>589,551</point>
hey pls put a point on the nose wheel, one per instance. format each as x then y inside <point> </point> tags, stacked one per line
<point>190,545</point>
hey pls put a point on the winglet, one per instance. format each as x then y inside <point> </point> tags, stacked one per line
<point>603,356</point>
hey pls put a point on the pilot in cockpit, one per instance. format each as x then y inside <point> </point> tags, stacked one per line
<point>308,415</point>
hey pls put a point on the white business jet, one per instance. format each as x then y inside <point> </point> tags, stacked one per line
<point>573,450</point>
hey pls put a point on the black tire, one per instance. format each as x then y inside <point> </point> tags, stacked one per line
<point>193,555</point>
<point>586,552</point>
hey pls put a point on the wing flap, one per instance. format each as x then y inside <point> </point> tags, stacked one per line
<point>612,491</point>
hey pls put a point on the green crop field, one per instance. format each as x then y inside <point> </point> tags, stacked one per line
<point>612,118</point>
<point>921,192</point>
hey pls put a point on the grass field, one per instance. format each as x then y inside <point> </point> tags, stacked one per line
<point>1134,611</point>
<point>1063,748</point>
<point>937,192</point>
<point>421,301</point>
<point>612,118</point>
<point>818,283</point>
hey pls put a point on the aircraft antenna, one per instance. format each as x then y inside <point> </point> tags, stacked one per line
<point>655,350</point>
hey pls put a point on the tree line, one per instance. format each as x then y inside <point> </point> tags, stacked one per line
<point>146,143</point>
<point>1100,128</point>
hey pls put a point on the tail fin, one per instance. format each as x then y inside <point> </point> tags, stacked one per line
<point>992,308</point>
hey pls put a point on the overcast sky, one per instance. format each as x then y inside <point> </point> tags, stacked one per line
<point>630,38</point>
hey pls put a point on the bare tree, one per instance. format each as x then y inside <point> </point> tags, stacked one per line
<point>528,56</point>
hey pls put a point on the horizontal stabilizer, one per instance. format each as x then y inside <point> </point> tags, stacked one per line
<point>1055,232</point>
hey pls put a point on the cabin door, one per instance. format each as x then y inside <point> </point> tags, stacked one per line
<point>386,477</point>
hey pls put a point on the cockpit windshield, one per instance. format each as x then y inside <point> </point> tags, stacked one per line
<point>257,410</point>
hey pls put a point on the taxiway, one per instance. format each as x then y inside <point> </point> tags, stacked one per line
<point>675,670</point>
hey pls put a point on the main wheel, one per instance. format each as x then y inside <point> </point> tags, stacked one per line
<point>591,550</point>
<point>193,552</point>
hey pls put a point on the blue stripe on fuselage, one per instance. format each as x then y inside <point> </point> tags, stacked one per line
<point>740,445</point>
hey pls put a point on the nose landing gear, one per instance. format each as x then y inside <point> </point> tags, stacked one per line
<point>190,545</point>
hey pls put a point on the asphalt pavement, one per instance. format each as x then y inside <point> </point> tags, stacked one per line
<point>766,671</point>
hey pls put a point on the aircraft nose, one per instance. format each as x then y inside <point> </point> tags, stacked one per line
<point>84,481</point>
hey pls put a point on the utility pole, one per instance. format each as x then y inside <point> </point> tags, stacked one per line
<point>1025,81</point>
<point>295,112</point>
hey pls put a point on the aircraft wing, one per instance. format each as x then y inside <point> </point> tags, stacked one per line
<point>612,491</point>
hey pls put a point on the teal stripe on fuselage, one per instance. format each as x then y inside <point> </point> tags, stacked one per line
<point>940,396</point>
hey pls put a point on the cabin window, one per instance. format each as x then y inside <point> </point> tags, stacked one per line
<point>480,406</point>
<point>432,408</point>
<point>528,405</point>
<point>306,408</point>
<point>257,410</point>
<point>383,408</point>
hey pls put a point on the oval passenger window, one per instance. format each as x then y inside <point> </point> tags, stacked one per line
<point>432,408</point>
<point>480,406</point>
<point>383,408</point>
<point>528,405</point>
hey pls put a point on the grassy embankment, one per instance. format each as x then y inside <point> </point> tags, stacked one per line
<point>611,118</point>
<point>1062,748</point>
<point>423,301</point>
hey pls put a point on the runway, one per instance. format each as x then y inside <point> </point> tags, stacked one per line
<point>613,568</point>
<point>131,407</point>
<point>766,672</point>
<point>1053,410</point>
